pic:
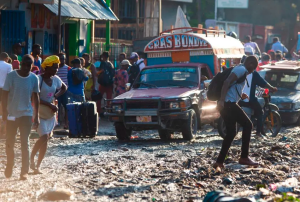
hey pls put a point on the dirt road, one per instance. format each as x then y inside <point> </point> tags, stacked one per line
<point>147,169</point>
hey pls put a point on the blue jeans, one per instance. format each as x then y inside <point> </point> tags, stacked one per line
<point>63,100</point>
<point>24,124</point>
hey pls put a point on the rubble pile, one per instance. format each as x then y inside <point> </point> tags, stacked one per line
<point>148,169</point>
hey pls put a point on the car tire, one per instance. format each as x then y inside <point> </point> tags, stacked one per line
<point>165,134</point>
<point>298,121</point>
<point>122,132</point>
<point>190,127</point>
<point>277,117</point>
<point>222,128</point>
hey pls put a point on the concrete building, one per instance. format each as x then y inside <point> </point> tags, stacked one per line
<point>140,19</point>
<point>36,21</point>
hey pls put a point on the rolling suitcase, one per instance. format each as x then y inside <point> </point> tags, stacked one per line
<point>75,121</point>
<point>89,118</point>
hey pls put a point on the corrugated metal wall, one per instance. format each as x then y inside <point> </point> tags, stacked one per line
<point>12,29</point>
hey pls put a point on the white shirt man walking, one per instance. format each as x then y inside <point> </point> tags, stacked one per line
<point>5,68</point>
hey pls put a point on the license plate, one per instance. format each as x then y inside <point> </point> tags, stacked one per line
<point>144,119</point>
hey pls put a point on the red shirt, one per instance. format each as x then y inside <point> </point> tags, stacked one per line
<point>15,64</point>
<point>261,64</point>
<point>34,69</point>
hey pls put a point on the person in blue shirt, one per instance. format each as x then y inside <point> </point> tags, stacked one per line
<point>278,46</point>
<point>36,52</point>
<point>254,80</point>
<point>75,92</point>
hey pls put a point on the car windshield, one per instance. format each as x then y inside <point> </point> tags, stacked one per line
<point>168,77</point>
<point>282,79</point>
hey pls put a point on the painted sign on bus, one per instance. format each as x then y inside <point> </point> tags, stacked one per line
<point>177,42</point>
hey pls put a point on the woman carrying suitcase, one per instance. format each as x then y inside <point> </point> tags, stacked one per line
<point>49,84</point>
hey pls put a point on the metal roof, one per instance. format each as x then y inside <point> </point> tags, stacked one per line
<point>98,10</point>
<point>82,9</point>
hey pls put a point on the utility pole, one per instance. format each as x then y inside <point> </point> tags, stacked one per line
<point>137,19</point>
<point>59,26</point>
<point>159,18</point>
<point>216,10</point>
<point>108,25</point>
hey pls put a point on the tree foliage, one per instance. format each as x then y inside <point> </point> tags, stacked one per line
<point>206,11</point>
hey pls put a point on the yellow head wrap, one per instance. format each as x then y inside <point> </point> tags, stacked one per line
<point>49,61</point>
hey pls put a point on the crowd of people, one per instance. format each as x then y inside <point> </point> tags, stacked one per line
<point>32,90</point>
<point>29,87</point>
<point>277,53</point>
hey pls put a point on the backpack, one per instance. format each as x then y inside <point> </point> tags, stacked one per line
<point>134,72</point>
<point>106,78</point>
<point>77,76</point>
<point>216,84</point>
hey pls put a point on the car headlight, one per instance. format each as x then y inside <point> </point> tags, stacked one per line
<point>181,104</point>
<point>285,105</point>
<point>174,105</point>
<point>297,105</point>
<point>116,108</point>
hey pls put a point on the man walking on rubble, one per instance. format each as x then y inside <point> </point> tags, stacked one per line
<point>231,112</point>
<point>21,88</point>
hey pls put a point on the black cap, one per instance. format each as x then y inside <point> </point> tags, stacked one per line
<point>76,61</point>
<point>16,45</point>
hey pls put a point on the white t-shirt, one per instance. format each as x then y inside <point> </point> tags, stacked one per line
<point>5,68</point>
<point>235,91</point>
<point>47,92</point>
<point>253,45</point>
<point>142,65</point>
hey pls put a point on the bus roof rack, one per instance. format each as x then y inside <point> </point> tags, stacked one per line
<point>207,32</point>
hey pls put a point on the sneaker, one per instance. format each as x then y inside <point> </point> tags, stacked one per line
<point>23,176</point>
<point>8,171</point>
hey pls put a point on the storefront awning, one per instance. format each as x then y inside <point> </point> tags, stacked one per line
<point>98,10</point>
<point>82,9</point>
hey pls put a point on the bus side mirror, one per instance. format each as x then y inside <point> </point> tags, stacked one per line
<point>128,85</point>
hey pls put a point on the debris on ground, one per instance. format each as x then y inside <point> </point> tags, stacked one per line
<point>148,169</point>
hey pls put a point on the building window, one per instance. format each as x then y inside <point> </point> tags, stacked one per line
<point>127,10</point>
<point>101,33</point>
<point>127,33</point>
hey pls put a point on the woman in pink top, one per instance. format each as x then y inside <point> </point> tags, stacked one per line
<point>121,78</point>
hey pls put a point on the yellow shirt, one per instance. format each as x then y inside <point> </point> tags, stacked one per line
<point>90,82</point>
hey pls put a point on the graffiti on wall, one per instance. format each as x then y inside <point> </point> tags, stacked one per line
<point>40,16</point>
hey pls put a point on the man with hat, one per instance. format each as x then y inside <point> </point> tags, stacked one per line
<point>121,77</point>
<point>76,79</point>
<point>137,60</point>
<point>138,65</point>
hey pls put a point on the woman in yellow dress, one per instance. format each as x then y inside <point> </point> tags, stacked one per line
<point>91,83</point>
